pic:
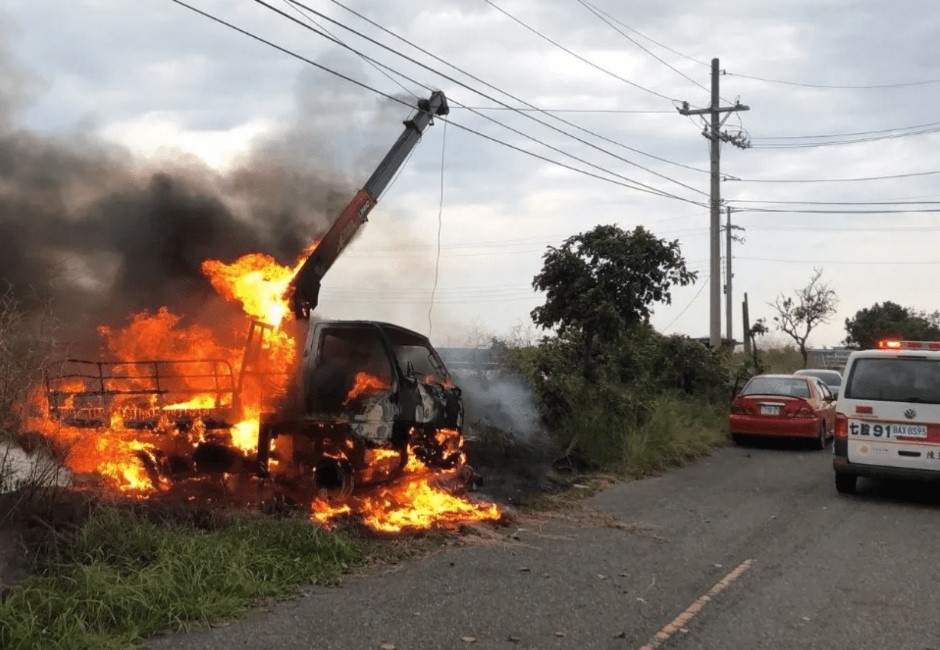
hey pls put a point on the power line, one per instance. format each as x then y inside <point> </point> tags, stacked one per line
<point>638,184</point>
<point>781,210</point>
<point>840,135</point>
<point>812,85</point>
<point>686,308</point>
<point>376,67</point>
<point>475,246</point>
<point>803,145</point>
<point>620,111</point>
<point>440,226</point>
<point>404,103</point>
<point>607,19</point>
<point>840,230</point>
<point>503,92</point>
<point>566,166</point>
<point>867,262</point>
<point>836,202</point>
<point>639,33</point>
<point>833,180</point>
<point>576,55</point>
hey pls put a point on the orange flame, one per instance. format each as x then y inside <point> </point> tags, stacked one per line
<point>149,411</point>
<point>422,498</point>
<point>257,282</point>
<point>362,383</point>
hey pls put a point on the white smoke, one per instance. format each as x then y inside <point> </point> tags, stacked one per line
<point>499,400</point>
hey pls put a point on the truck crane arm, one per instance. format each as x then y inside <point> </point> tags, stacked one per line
<point>304,290</point>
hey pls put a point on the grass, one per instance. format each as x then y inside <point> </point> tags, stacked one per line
<point>122,578</point>
<point>678,431</point>
<point>672,431</point>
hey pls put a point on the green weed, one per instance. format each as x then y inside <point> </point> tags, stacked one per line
<point>122,578</point>
<point>678,430</point>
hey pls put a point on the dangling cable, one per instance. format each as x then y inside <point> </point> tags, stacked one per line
<point>440,223</point>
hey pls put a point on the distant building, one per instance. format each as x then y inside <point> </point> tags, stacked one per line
<point>829,358</point>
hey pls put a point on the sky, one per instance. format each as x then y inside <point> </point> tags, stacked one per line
<point>840,174</point>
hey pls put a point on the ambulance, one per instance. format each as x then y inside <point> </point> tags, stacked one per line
<point>887,421</point>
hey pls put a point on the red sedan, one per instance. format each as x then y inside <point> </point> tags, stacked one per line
<point>783,406</point>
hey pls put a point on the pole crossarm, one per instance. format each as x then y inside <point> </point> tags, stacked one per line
<point>685,110</point>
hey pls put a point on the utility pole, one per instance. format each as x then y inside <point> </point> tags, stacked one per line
<point>715,136</point>
<point>747,328</point>
<point>729,319</point>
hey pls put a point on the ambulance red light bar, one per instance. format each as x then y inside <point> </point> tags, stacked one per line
<point>894,344</point>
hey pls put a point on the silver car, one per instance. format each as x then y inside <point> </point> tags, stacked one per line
<point>832,378</point>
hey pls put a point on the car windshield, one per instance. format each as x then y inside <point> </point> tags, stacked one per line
<point>829,377</point>
<point>792,386</point>
<point>895,380</point>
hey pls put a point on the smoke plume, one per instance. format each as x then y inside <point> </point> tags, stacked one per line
<point>104,234</point>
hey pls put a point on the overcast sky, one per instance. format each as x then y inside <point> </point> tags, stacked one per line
<point>169,85</point>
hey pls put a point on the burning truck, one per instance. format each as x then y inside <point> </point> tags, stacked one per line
<point>311,410</point>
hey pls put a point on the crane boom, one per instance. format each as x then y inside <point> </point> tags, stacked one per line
<point>304,290</point>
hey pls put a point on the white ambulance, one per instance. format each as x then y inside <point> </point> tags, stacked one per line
<point>888,414</point>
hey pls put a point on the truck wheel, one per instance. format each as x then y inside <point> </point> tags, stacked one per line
<point>846,483</point>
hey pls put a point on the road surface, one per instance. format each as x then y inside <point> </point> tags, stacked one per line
<point>749,548</point>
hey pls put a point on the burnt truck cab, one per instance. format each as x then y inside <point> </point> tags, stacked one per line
<point>368,394</point>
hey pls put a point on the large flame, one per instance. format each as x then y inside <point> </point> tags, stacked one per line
<point>177,388</point>
<point>422,498</point>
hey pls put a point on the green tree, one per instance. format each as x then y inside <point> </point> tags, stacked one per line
<point>604,281</point>
<point>810,306</point>
<point>890,320</point>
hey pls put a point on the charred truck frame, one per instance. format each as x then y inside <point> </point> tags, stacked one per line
<point>365,394</point>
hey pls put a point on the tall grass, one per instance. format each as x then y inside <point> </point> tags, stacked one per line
<point>122,578</point>
<point>668,431</point>
<point>678,431</point>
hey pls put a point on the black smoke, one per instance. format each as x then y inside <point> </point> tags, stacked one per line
<point>100,235</point>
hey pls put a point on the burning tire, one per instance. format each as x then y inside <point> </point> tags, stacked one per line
<point>333,477</point>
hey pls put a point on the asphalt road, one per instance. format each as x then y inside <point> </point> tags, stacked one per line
<point>787,563</point>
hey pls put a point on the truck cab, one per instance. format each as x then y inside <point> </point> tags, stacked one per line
<point>366,389</point>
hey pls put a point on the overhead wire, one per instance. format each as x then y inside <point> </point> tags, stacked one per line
<point>478,246</point>
<point>793,211</point>
<point>866,262</point>
<point>907,84</point>
<point>834,202</point>
<point>571,110</point>
<point>366,86</point>
<point>841,135</point>
<point>835,180</point>
<point>842,230</point>
<point>607,19</point>
<point>376,67</point>
<point>440,226</point>
<point>876,138</point>
<point>652,40</point>
<point>506,106</point>
<point>578,56</point>
<point>691,302</point>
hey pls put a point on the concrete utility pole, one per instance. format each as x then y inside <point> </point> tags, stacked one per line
<point>747,328</point>
<point>716,136</point>
<point>729,319</point>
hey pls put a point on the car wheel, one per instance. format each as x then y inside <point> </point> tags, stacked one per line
<point>845,483</point>
<point>739,439</point>
<point>822,437</point>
